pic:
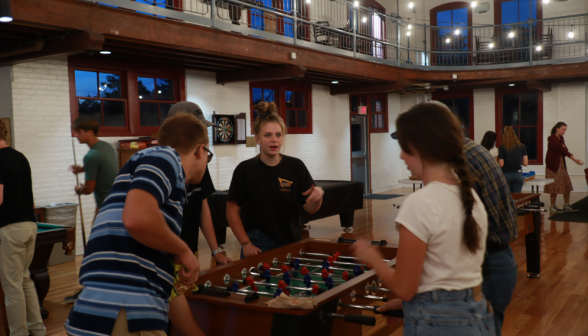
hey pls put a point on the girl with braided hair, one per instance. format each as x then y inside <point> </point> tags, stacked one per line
<point>267,190</point>
<point>442,229</point>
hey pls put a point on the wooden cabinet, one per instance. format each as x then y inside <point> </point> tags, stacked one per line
<point>124,154</point>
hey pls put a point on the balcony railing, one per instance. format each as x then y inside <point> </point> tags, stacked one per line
<point>338,26</point>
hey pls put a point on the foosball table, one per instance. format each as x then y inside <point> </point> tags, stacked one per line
<point>232,299</point>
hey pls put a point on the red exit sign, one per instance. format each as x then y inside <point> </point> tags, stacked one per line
<point>362,109</point>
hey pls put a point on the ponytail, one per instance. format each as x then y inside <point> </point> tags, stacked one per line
<point>471,231</point>
<point>558,125</point>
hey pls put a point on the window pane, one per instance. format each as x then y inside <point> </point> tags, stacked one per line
<point>301,118</point>
<point>289,102</point>
<point>510,12</point>
<point>380,120</point>
<point>90,108</point>
<point>448,102</point>
<point>529,138</point>
<point>109,86</point>
<point>268,95</point>
<point>510,110</point>
<point>164,109</point>
<point>114,113</point>
<point>461,108</point>
<point>86,84</point>
<point>529,109</point>
<point>444,18</point>
<point>298,98</point>
<point>354,104</point>
<point>291,118</point>
<point>524,10</point>
<point>146,88</point>
<point>256,95</point>
<point>376,106</point>
<point>165,89</point>
<point>356,138</point>
<point>149,115</point>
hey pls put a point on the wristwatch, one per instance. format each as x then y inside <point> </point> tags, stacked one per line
<point>218,250</point>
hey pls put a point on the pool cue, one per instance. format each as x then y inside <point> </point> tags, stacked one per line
<point>73,146</point>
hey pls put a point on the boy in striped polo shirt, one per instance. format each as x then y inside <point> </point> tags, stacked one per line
<point>128,271</point>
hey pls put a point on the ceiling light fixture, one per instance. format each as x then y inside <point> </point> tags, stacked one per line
<point>105,52</point>
<point>409,26</point>
<point>511,34</point>
<point>511,85</point>
<point>334,82</point>
<point>571,33</point>
<point>356,4</point>
<point>457,31</point>
<point>474,4</point>
<point>364,19</point>
<point>307,1</point>
<point>140,97</point>
<point>407,33</point>
<point>545,1</point>
<point>448,40</point>
<point>410,4</point>
<point>538,48</point>
<point>491,45</point>
<point>5,11</point>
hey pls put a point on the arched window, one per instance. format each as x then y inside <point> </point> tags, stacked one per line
<point>448,33</point>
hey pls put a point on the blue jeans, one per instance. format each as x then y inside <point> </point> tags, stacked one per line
<point>262,241</point>
<point>500,284</point>
<point>452,313</point>
<point>515,181</point>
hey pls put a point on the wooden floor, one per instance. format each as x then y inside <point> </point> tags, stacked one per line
<point>555,304</point>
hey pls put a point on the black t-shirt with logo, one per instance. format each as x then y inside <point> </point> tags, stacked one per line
<point>269,197</point>
<point>195,194</point>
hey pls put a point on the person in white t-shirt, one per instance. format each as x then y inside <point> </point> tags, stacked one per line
<point>489,142</point>
<point>443,229</point>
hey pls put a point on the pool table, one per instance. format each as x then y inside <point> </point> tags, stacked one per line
<point>47,236</point>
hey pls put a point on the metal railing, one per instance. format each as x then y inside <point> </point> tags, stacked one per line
<point>338,26</point>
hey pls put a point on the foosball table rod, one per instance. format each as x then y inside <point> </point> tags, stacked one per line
<point>302,253</point>
<point>276,263</point>
<point>377,289</point>
<point>227,279</point>
<point>284,269</point>
<point>374,309</point>
<point>252,272</point>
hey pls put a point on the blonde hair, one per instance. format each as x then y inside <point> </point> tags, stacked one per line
<point>3,131</point>
<point>267,112</point>
<point>182,132</point>
<point>509,139</point>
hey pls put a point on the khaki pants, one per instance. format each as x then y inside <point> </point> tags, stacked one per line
<point>121,328</point>
<point>17,247</point>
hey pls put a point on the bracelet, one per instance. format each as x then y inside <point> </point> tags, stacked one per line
<point>218,250</point>
<point>245,244</point>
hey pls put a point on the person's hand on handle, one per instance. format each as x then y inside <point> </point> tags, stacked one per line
<point>76,169</point>
<point>250,250</point>
<point>191,267</point>
<point>395,304</point>
<point>222,259</point>
<point>314,194</point>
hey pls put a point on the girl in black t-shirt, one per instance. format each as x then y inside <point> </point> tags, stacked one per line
<point>266,191</point>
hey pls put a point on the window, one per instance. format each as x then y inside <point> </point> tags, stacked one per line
<point>156,96</point>
<point>99,95</point>
<point>293,101</point>
<point>523,111</point>
<point>450,35</point>
<point>260,20</point>
<point>461,103</point>
<point>512,36</point>
<point>513,11</point>
<point>127,99</point>
<point>376,108</point>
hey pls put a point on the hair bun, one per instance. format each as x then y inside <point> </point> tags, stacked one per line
<point>266,108</point>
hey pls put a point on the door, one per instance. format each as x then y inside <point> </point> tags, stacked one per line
<point>360,151</point>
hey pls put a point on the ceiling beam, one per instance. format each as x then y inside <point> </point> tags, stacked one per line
<point>539,85</point>
<point>366,88</point>
<point>71,44</point>
<point>261,74</point>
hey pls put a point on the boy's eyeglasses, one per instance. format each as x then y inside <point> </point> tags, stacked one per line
<point>210,154</point>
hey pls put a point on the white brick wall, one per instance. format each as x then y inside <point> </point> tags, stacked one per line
<point>484,113</point>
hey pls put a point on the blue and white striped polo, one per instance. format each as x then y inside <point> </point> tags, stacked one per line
<point>119,272</point>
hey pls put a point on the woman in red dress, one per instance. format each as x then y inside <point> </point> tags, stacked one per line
<point>557,169</point>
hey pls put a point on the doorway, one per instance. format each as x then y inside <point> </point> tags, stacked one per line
<point>360,151</point>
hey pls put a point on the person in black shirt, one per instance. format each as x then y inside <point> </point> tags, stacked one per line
<point>511,155</point>
<point>265,191</point>
<point>196,211</point>
<point>18,232</point>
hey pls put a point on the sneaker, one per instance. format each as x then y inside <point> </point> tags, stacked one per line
<point>74,297</point>
<point>553,208</point>
<point>569,208</point>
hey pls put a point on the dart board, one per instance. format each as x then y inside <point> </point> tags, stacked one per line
<point>224,130</point>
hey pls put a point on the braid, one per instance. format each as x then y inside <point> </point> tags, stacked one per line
<point>471,231</point>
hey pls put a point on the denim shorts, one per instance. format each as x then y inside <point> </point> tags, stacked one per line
<point>452,313</point>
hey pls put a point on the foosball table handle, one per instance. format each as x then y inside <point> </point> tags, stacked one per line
<point>351,241</point>
<point>392,313</point>
<point>361,319</point>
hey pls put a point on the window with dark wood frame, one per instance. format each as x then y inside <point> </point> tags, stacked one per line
<point>117,84</point>
<point>461,103</point>
<point>498,10</point>
<point>293,100</point>
<point>521,109</point>
<point>376,106</point>
<point>461,41</point>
